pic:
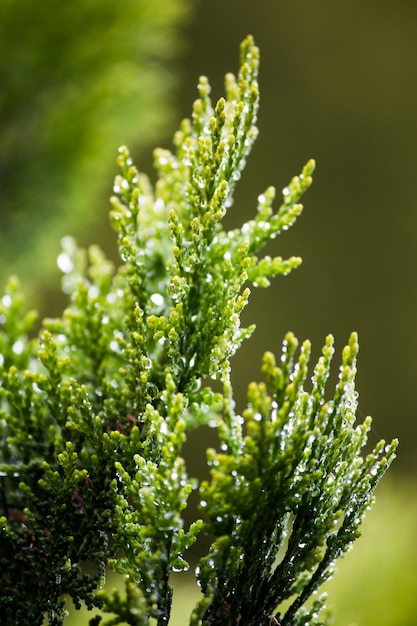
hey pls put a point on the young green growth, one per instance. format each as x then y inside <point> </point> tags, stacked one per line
<point>94,413</point>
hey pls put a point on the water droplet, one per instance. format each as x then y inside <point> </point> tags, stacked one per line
<point>18,346</point>
<point>158,205</point>
<point>65,263</point>
<point>265,226</point>
<point>146,363</point>
<point>157,299</point>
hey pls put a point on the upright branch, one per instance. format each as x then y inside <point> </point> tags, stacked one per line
<point>95,411</point>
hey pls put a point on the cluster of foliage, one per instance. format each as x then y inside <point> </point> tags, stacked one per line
<point>75,84</point>
<point>95,411</point>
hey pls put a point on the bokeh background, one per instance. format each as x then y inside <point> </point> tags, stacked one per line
<point>338,83</point>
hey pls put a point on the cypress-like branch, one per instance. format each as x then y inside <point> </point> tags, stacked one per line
<point>95,411</point>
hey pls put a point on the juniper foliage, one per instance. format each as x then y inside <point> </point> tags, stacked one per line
<point>94,411</point>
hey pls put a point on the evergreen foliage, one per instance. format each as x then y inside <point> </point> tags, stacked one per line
<point>95,411</point>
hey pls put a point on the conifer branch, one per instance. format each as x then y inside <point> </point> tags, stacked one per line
<point>95,411</point>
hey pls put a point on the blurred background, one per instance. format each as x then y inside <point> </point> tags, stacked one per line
<point>338,83</point>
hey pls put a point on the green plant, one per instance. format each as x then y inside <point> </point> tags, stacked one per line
<point>94,413</point>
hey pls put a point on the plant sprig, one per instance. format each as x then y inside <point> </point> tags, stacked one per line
<point>95,411</point>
